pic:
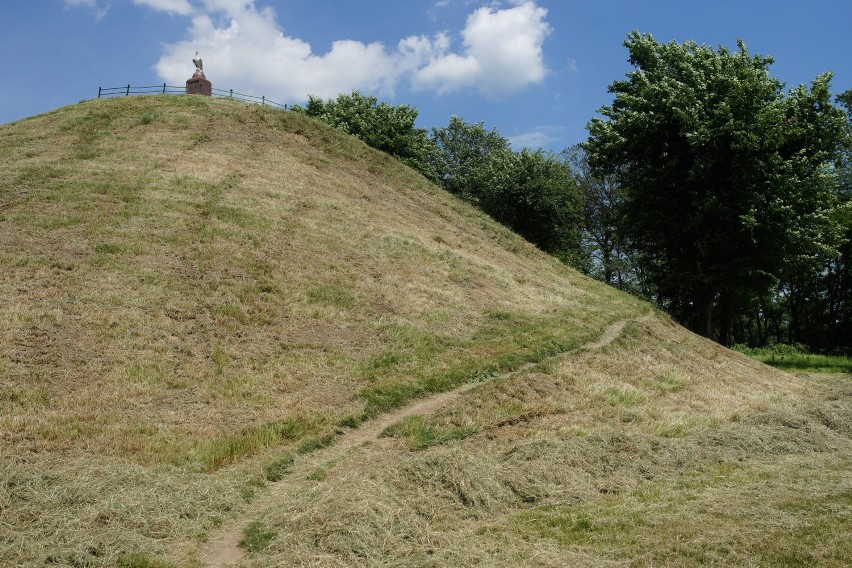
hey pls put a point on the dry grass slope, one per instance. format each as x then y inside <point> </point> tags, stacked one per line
<point>661,449</point>
<point>200,294</point>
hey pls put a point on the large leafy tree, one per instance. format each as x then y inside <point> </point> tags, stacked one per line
<point>383,126</point>
<point>544,203</point>
<point>839,270</point>
<point>531,192</point>
<point>472,162</point>
<point>724,176</point>
<point>608,251</point>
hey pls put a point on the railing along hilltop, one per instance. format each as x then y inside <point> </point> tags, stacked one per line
<point>165,89</point>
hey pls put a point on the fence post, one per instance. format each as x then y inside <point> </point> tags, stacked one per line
<point>99,92</point>
<point>232,93</point>
<point>127,94</point>
<point>263,100</point>
<point>164,88</point>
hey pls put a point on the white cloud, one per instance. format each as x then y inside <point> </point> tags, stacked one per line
<point>249,52</point>
<point>244,48</point>
<point>503,53</point>
<point>182,7</point>
<point>99,8</point>
<point>537,138</point>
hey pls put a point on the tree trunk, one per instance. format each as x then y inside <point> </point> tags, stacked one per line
<point>706,327</point>
<point>726,319</point>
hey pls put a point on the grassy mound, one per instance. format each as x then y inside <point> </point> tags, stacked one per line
<point>199,293</point>
<point>190,283</point>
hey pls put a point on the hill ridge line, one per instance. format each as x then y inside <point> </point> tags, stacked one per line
<point>224,550</point>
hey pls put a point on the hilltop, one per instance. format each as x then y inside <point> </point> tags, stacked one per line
<point>209,306</point>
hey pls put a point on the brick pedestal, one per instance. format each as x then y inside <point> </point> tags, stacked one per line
<point>199,85</point>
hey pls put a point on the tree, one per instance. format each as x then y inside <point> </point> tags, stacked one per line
<point>471,161</point>
<point>533,193</point>
<point>544,204</point>
<point>725,177</point>
<point>839,270</point>
<point>606,247</point>
<point>383,126</point>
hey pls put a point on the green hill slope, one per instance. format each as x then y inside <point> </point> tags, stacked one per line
<point>200,295</point>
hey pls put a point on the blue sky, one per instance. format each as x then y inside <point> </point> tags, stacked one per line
<point>537,70</point>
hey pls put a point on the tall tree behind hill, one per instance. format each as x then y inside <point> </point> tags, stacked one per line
<point>606,246</point>
<point>381,125</point>
<point>532,192</point>
<point>813,302</point>
<point>473,162</point>
<point>839,269</point>
<point>724,176</point>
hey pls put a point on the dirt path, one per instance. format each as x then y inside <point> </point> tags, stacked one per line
<point>223,549</point>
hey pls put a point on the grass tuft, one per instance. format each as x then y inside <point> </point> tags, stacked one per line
<point>278,468</point>
<point>422,434</point>
<point>229,449</point>
<point>256,537</point>
<point>667,382</point>
<point>141,561</point>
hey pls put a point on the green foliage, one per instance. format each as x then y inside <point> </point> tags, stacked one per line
<point>797,357</point>
<point>278,468</point>
<point>533,193</point>
<point>725,177</point>
<point>383,126</point>
<point>256,537</point>
<point>422,433</point>
<point>543,203</point>
<point>473,162</point>
<point>606,247</point>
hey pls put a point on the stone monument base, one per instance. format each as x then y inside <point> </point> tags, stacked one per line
<point>199,85</point>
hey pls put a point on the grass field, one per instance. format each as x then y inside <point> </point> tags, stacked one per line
<point>201,297</point>
<point>790,358</point>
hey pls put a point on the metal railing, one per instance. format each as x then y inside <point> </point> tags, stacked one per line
<point>165,89</point>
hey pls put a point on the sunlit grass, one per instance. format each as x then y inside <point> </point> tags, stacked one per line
<point>793,358</point>
<point>204,291</point>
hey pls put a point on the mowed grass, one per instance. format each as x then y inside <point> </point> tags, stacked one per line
<point>194,289</point>
<point>199,295</point>
<point>803,362</point>
<point>662,449</point>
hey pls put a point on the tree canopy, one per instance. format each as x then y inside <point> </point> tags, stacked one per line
<point>725,177</point>
<point>532,192</point>
<point>381,125</point>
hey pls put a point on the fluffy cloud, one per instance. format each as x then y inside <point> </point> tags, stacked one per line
<point>247,49</point>
<point>538,138</point>
<point>503,53</point>
<point>244,47</point>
